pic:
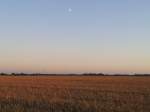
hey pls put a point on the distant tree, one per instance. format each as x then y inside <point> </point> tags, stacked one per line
<point>101,74</point>
<point>21,74</point>
<point>3,74</point>
<point>93,74</point>
<point>13,74</point>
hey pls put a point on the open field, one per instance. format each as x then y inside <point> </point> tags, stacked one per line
<point>74,94</point>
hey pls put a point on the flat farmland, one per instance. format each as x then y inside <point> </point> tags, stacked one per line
<point>74,94</point>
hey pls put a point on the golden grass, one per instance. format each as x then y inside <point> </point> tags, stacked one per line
<point>74,94</point>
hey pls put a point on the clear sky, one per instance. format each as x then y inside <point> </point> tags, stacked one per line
<point>75,36</point>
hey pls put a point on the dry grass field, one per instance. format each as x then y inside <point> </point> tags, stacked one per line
<point>74,94</point>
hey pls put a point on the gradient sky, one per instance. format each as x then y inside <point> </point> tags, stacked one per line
<point>110,36</point>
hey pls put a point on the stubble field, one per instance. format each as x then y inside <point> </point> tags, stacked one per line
<point>74,94</point>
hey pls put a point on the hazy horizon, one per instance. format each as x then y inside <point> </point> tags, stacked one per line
<point>75,36</point>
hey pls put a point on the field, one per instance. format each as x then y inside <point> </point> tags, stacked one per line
<point>74,94</point>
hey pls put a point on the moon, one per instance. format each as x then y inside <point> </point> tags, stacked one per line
<point>69,9</point>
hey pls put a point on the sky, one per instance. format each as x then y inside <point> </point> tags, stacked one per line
<point>75,36</point>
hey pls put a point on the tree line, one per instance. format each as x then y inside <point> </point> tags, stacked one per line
<point>82,74</point>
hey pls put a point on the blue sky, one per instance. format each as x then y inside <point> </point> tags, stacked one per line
<point>109,36</point>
